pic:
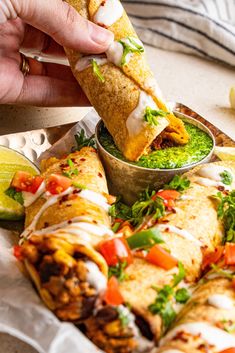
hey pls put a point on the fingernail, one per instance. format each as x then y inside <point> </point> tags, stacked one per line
<point>100,35</point>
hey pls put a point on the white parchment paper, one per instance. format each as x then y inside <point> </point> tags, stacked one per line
<point>22,314</point>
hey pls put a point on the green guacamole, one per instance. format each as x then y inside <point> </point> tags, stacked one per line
<point>198,147</point>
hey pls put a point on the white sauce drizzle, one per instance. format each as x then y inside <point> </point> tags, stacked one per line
<point>209,182</point>
<point>94,277</point>
<point>212,335</point>
<point>85,62</point>
<point>181,232</point>
<point>213,172</point>
<point>95,197</point>
<point>115,51</point>
<point>221,301</point>
<point>135,121</point>
<point>29,197</point>
<point>108,13</point>
<point>150,83</point>
<point>186,197</point>
<point>89,195</point>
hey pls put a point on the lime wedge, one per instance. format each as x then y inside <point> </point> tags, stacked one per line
<point>232,97</point>
<point>10,162</point>
<point>225,153</point>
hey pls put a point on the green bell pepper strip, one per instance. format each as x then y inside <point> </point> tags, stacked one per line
<point>145,239</point>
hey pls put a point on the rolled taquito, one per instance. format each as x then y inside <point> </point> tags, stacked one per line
<point>62,230</point>
<point>191,229</point>
<point>206,324</point>
<point>120,84</point>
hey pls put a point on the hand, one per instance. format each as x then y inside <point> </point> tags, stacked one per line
<point>44,26</point>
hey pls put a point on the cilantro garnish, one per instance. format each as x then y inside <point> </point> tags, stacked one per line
<point>226,212</point>
<point>96,70</point>
<point>226,177</point>
<point>130,46</point>
<point>123,316</point>
<point>178,183</point>
<point>229,325</point>
<point>180,276</point>
<point>118,271</point>
<point>15,195</point>
<point>83,141</point>
<point>72,170</point>
<point>145,206</point>
<point>182,295</point>
<point>151,115</point>
<point>163,304</point>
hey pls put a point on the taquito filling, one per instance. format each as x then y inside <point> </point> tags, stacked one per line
<point>210,334</point>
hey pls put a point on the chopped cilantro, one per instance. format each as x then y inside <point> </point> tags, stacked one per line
<point>15,195</point>
<point>163,306</point>
<point>226,212</point>
<point>72,171</point>
<point>151,115</point>
<point>182,295</point>
<point>226,177</point>
<point>123,316</point>
<point>83,141</point>
<point>118,271</point>
<point>178,183</point>
<point>180,276</point>
<point>130,46</point>
<point>78,186</point>
<point>96,70</point>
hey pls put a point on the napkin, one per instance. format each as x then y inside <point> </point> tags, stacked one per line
<point>200,27</point>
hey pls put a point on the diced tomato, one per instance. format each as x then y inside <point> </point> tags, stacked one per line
<point>212,257</point>
<point>112,295</point>
<point>160,257</point>
<point>168,194</point>
<point>229,254</point>
<point>17,252</point>
<point>228,350</point>
<point>24,181</point>
<point>116,250</point>
<point>57,183</point>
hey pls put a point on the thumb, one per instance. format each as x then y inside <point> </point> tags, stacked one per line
<point>60,21</point>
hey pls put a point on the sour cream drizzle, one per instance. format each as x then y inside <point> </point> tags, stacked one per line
<point>115,51</point>
<point>108,13</point>
<point>29,197</point>
<point>94,277</point>
<point>221,301</point>
<point>135,121</point>
<point>181,232</point>
<point>89,195</point>
<point>210,175</point>
<point>86,61</point>
<point>212,335</point>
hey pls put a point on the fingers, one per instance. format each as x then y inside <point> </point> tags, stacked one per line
<point>50,92</point>
<point>61,22</point>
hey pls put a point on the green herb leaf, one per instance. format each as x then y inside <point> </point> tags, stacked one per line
<point>123,316</point>
<point>226,211</point>
<point>96,70</point>
<point>163,306</point>
<point>145,239</point>
<point>78,186</point>
<point>130,46</point>
<point>15,195</point>
<point>226,177</point>
<point>72,171</point>
<point>180,276</point>
<point>118,271</point>
<point>178,183</point>
<point>182,295</point>
<point>83,141</point>
<point>151,115</point>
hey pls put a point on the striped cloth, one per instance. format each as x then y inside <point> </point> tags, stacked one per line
<point>200,27</point>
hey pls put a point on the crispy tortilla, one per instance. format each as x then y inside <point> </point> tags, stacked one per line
<point>116,97</point>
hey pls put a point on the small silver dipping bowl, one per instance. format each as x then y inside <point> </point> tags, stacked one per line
<point>128,180</point>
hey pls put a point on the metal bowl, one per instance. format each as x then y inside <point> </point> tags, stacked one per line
<point>129,180</point>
